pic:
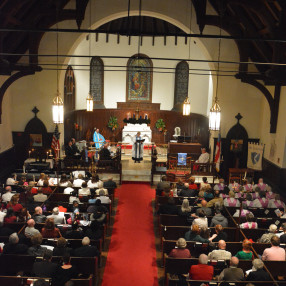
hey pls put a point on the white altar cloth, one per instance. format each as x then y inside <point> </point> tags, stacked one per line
<point>130,130</point>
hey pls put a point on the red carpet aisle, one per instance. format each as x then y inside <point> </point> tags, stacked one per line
<point>131,257</point>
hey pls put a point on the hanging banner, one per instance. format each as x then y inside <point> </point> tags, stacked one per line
<point>255,154</point>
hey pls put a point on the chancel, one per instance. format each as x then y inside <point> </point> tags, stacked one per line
<point>120,114</point>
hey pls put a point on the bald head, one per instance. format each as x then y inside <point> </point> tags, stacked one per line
<point>204,203</point>
<point>221,244</point>
<point>31,223</point>
<point>234,261</point>
<point>38,210</point>
<point>8,189</point>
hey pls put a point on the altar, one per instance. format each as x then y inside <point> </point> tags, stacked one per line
<point>130,130</point>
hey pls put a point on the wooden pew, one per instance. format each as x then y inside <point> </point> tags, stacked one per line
<point>12,264</point>
<point>175,232</point>
<point>19,281</point>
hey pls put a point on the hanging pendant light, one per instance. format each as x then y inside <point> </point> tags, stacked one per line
<point>89,99</point>
<point>58,109</point>
<point>187,107</point>
<point>214,119</point>
<point>58,104</point>
<point>215,111</point>
<point>89,103</point>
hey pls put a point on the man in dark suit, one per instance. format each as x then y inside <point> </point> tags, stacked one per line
<point>45,268</point>
<point>13,246</point>
<point>69,150</point>
<point>74,147</point>
<point>186,192</point>
<point>86,250</point>
<point>169,208</point>
<point>104,153</point>
<point>109,184</point>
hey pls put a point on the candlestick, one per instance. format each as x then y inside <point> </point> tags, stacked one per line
<point>47,155</point>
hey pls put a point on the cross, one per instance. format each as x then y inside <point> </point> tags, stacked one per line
<point>35,110</point>
<point>238,117</point>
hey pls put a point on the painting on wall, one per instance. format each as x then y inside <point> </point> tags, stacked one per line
<point>36,140</point>
<point>139,79</point>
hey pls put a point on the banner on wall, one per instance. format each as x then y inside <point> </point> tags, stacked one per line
<point>255,154</point>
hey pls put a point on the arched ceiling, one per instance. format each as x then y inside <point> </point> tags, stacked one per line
<point>259,21</point>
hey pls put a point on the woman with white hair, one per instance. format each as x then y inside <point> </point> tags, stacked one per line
<point>180,251</point>
<point>266,237</point>
<point>100,187</point>
<point>258,273</point>
<point>185,209</point>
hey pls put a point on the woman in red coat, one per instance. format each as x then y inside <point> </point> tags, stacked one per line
<point>49,230</point>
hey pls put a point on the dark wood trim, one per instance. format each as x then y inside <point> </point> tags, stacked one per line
<point>7,163</point>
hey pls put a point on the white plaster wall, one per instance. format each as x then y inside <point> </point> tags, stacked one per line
<point>5,126</point>
<point>163,80</point>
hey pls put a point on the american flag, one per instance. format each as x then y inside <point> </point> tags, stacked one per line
<point>217,153</point>
<point>55,141</point>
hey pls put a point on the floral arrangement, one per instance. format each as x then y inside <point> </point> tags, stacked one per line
<point>160,125</point>
<point>113,123</point>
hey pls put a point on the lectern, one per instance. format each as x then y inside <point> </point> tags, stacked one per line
<point>137,155</point>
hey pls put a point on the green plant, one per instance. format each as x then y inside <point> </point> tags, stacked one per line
<point>160,125</point>
<point>113,123</point>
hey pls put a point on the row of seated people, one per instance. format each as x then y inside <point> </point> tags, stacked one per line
<point>75,180</point>
<point>199,231</point>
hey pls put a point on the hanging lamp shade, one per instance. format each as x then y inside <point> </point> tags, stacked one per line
<point>89,103</point>
<point>58,109</point>
<point>187,107</point>
<point>214,117</point>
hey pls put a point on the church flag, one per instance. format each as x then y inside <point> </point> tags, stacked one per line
<point>255,154</point>
<point>55,141</point>
<point>217,153</point>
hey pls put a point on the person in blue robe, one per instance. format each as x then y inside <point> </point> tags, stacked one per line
<point>98,139</point>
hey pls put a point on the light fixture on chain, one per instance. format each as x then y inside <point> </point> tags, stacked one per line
<point>215,111</point>
<point>58,104</point>
<point>89,99</point>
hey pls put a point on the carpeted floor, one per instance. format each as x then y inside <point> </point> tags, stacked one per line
<point>131,257</point>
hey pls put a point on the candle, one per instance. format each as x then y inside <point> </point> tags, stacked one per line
<point>133,115</point>
<point>29,153</point>
<point>50,152</point>
<point>24,169</point>
<point>47,155</point>
<point>146,116</point>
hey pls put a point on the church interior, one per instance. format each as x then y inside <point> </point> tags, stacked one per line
<point>125,124</point>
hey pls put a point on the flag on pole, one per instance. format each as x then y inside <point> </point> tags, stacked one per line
<point>55,141</point>
<point>217,153</point>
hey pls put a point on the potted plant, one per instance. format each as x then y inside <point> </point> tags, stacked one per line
<point>160,125</point>
<point>113,123</point>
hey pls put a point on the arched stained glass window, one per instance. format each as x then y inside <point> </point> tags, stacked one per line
<point>96,80</point>
<point>181,82</point>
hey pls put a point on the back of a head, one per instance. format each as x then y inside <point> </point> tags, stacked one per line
<point>275,240</point>
<point>37,239</point>
<point>84,185</point>
<point>40,190</point>
<point>204,203</point>
<point>262,194</point>
<point>48,254</point>
<point>205,179</point>
<point>101,193</point>
<point>181,243</point>
<point>231,194</point>
<point>80,176</point>
<point>30,223</point>
<point>272,228</point>
<point>257,264</point>
<point>234,261</point>
<point>61,242</point>
<point>249,217</point>
<point>201,213</point>
<point>185,204</point>
<point>221,244</point>
<point>13,238</point>
<point>216,193</point>
<point>246,244</point>
<point>195,229</point>
<point>203,259</point>
<point>164,178</point>
<point>85,241</point>
<point>100,185</point>
<point>218,228</point>
<point>66,258</point>
<point>56,211</point>
<point>248,197</point>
